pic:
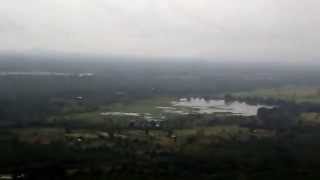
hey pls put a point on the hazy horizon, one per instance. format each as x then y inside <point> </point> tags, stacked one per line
<point>214,30</point>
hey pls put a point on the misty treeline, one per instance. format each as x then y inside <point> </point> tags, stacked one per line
<point>29,98</point>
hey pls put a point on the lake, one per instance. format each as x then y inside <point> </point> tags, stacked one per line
<point>203,106</point>
<point>185,106</point>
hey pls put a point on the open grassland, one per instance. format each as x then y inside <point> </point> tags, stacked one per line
<point>39,135</point>
<point>94,117</point>
<point>141,106</point>
<point>312,119</point>
<point>288,93</point>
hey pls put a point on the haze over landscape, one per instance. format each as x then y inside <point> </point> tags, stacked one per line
<point>159,89</point>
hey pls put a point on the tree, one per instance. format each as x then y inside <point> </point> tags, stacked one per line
<point>110,127</point>
<point>277,118</point>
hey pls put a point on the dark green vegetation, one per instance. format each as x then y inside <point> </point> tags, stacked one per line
<point>51,127</point>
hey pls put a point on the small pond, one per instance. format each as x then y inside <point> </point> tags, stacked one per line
<point>184,106</point>
<point>209,106</point>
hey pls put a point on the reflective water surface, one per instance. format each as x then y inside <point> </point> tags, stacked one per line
<point>203,106</point>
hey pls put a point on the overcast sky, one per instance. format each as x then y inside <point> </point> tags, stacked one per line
<point>214,29</point>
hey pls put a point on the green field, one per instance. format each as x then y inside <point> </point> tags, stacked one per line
<point>139,106</point>
<point>288,93</point>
